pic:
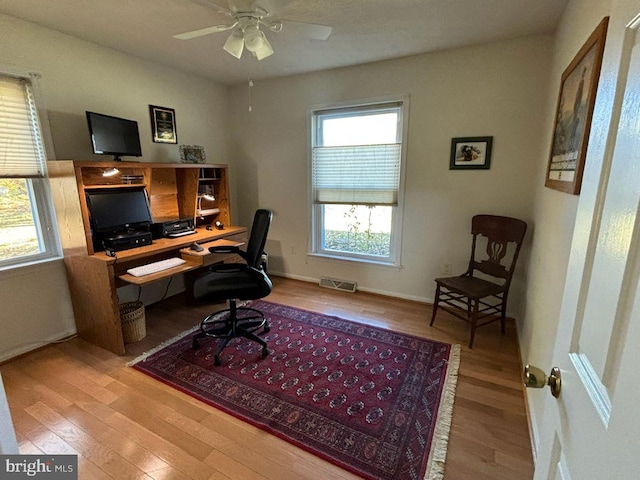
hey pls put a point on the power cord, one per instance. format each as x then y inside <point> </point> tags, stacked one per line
<point>167,289</point>
<point>164,295</point>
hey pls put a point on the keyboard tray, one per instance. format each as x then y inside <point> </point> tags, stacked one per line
<point>152,277</point>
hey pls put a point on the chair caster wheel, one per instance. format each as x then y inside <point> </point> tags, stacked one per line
<point>195,344</point>
<point>265,352</point>
<point>216,360</point>
<point>266,328</point>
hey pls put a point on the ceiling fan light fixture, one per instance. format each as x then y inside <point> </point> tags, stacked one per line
<point>247,32</point>
<point>264,51</point>
<point>254,38</point>
<point>234,44</point>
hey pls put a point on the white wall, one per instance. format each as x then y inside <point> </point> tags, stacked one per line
<point>555,216</point>
<point>79,76</point>
<point>497,90</point>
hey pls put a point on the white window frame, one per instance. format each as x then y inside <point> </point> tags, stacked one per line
<point>38,189</point>
<point>317,217</point>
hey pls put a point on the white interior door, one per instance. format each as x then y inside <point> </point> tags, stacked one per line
<point>592,431</point>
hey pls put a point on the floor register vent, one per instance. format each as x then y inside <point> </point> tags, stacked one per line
<point>336,284</point>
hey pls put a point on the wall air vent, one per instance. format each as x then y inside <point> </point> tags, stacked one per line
<point>334,283</point>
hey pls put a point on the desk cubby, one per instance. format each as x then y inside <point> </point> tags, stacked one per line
<point>173,191</point>
<point>212,181</point>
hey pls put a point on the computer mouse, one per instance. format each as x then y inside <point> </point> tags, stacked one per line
<point>195,247</point>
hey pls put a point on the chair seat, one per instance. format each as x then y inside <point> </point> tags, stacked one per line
<point>470,286</point>
<point>244,283</point>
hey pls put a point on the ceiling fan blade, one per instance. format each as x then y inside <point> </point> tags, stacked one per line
<point>215,6</point>
<point>275,7</point>
<point>313,31</point>
<point>275,26</point>
<point>204,31</point>
<point>265,50</point>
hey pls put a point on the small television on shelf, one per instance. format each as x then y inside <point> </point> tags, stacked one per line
<point>117,211</point>
<point>114,136</point>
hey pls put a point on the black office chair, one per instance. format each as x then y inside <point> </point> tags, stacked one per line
<point>232,282</point>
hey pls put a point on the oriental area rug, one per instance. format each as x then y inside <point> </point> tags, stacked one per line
<point>375,402</point>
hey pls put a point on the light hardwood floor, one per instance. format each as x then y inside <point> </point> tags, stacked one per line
<point>76,398</point>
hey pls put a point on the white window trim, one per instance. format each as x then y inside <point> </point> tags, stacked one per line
<point>395,259</point>
<point>40,188</point>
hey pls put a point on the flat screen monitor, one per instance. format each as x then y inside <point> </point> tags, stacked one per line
<point>113,136</point>
<point>118,210</point>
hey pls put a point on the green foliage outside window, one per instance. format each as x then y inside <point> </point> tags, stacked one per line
<point>18,235</point>
<point>351,239</point>
<point>358,242</point>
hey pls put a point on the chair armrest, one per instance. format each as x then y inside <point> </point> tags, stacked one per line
<point>228,249</point>
<point>228,267</point>
<point>224,249</point>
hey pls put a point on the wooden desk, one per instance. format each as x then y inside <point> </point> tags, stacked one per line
<point>174,192</point>
<point>93,279</point>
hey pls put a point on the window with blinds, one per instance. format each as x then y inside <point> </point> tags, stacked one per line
<point>21,150</point>
<point>356,172</point>
<point>362,174</point>
<point>27,233</point>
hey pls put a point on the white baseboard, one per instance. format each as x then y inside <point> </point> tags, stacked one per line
<point>534,434</point>
<point>386,293</point>
<point>28,347</point>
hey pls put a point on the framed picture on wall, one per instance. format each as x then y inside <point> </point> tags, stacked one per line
<point>470,153</point>
<point>163,124</point>
<point>574,110</point>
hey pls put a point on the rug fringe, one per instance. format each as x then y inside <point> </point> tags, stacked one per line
<point>157,348</point>
<point>438,454</point>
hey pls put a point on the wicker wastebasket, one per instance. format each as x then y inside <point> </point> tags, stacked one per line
<point>134,327</point>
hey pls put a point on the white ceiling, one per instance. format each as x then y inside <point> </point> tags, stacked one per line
<point>363,30</point>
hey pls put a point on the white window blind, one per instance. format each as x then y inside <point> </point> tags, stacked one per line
<point>360,174</point>
<point>21,148</point>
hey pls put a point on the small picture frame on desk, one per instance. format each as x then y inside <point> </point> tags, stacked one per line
<point>192,154</point>
<point>163,124</point>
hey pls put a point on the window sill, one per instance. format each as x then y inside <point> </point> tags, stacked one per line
<point>29,268</point>
<point>363,261</point>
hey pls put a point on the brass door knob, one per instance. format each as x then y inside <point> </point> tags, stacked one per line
<point>535,377</point>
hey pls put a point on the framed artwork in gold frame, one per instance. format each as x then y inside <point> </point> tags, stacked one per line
<point>573,114</point>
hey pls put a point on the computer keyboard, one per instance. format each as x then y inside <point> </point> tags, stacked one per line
<point>181,234</point>
<point>156,266</point>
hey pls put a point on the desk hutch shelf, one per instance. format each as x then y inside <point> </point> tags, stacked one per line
<point>174,192</point>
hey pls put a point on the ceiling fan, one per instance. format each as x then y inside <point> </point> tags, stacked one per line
<point>246,32</point>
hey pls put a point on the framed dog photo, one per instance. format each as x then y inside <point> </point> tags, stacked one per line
<point>470,153</point>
